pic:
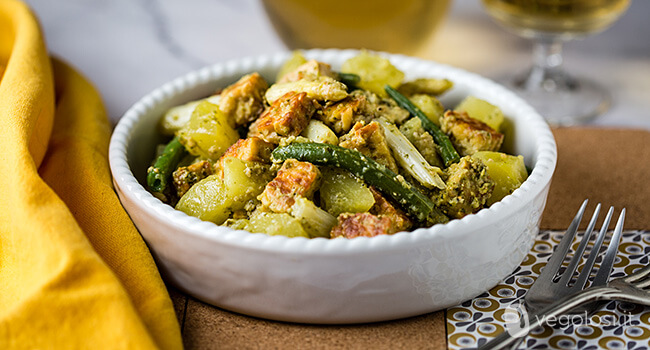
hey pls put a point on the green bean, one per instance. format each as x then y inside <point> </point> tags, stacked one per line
<point>350,80</point>
<point>407,196</point>
<point>160,172</point>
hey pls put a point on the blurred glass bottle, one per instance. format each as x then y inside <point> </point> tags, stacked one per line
<point>399,26</point>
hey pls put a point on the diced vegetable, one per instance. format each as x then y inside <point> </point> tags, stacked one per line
<point>483,111</point>
<point>316,221</point>
<point>321,89</point>
<point>410,159</point>
<point>374,174</point>
<point>207,200</point>
<point>422,140</point>
<point>295,61</point>
<point>447,150</point>
<point>275,224</point>
<point>468,188</point>
<point>430,106</point>
<point>238,224</point>
<point>185,177</point>
<point>159,174</point>
<point>375,72</point>
<point>342,192</point>
<point>429,86</point>
<point>243,180</point>
<point>507,171</point>
<point>469,135</point>
<point>208,133</point>
<point>317,131</point>
<point>177,117</point>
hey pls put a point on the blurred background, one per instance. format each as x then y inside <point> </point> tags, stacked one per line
<point>129,47</point>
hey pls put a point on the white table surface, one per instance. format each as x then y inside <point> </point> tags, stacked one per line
<point>129,47</point>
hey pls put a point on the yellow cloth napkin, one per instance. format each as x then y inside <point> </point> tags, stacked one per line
<point>74,272</point>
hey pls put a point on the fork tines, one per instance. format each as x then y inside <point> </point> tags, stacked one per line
<point>606,265</point>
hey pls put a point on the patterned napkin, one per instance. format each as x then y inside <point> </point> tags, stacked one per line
<point>614,326</point>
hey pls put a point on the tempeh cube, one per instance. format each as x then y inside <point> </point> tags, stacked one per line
<point>243,101</point>
<point>287,116</point>
<point>186,177</point>
<point>252,149</point>
<point>370,140</point>
<point>340,116</point>
<point>294,179</point>
<point>351,225</point>
<point>470,135</point>
<point>384,208</point>
<point>309,70</point>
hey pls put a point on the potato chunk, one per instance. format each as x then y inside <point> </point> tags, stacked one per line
<point>244,180</point>
<point>177,117</point>
<point>483,111</point>
<point>375,72</point>
<point>287,116</point>
<point>342,192</point>
<point>507,171</point>
<point>243,101</point>
<point>294,179</point>
<point>430,106</point>
<point>468,134</point>
<point>207,200</point>
<point>317,131</point>
<point>468,188</point>
<point>371,141</point>
<point>274,224</point>
<point>208,133</point>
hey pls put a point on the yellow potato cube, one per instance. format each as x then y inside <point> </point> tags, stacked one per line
<point>375,72</point>
<point>483,111</point>
<point>207,200</point>
<point>341,192</point>
<point>507,171</point>
<point>208,133</point>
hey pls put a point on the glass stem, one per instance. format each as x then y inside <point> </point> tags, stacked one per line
<point>547,73</point>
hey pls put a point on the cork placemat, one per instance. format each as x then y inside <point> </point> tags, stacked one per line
<point>607,166</point>
<point>604,165</point>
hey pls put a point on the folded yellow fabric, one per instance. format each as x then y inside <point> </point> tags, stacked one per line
<point>74,272</point>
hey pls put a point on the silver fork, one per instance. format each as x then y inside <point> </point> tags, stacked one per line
<point>554,284</point>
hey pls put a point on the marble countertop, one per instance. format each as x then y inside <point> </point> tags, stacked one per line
<point>129,47</point>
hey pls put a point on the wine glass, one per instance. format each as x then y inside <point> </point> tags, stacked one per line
<point>561,98</point>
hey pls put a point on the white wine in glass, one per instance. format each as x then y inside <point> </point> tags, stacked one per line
<point>398,26</point>
<point>559,97</point>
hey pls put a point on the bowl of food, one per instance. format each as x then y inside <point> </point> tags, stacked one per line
<point>333,186</point>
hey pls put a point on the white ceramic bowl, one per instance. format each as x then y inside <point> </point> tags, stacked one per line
<point>340,280</point>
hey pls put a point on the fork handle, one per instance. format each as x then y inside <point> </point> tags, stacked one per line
<point>508,338</point>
